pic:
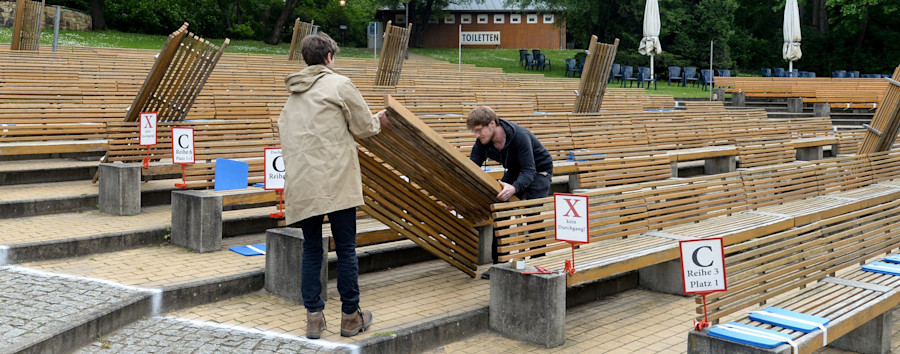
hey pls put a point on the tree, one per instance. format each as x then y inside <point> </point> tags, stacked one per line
<point>278,27</point>
<point>98,21</point>
<point>420,11</point>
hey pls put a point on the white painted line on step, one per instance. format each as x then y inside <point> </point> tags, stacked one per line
<point>325,344</point>
<point>155,294</point>
<point>4,255</point>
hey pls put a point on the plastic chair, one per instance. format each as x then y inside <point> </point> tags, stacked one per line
<point>675,74</point>
<point>535,52</point>
<point>690,74</point>
<point>572,67</point>
<point>724,72</point>
<point>522,53</point>
<point>706,78</point>
<point>839,73</point>
<point>529,61</point>
<point>853,74</point>
<point>779,72</point>
<point>628,76</point>
<point>614,73</point>
<point>766,72</point>
<point>644,76</point>
<point>794,73</point>
<point>540,61</point>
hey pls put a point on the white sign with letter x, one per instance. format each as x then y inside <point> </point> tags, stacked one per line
<point>571,221</point>
<point>148,129</point>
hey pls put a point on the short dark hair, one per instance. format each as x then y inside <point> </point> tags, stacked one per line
<point>481,115</point>
<point>315,48</point>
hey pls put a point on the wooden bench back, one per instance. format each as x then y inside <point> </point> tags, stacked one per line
<point>774,266</point>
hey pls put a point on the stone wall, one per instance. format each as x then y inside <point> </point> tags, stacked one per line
<point>71,20</point>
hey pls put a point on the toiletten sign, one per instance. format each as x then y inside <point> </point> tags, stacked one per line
<point>148,129</point>
<point>479,38</point>
<point>703,266</point>
<point>274,169</point>
<point>571,221</point>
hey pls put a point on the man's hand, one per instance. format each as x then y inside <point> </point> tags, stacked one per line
<point>383,118</point>
<point>507,192</point>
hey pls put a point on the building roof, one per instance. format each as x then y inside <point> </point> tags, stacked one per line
<point>478,5</point>
<point>486,5</point>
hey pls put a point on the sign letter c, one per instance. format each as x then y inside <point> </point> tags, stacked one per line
<point>697,261</point>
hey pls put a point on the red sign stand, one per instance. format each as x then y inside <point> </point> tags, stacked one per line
<point>571,222</point>
<point>703,270</point>
<point>280,213</point>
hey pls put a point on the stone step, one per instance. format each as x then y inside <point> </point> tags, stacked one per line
<point>111,290</point>
<point>46,171</point>
<point>24,200</point>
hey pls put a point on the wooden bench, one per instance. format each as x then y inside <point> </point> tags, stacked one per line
<point>814,270</point>
<point>636,227</point>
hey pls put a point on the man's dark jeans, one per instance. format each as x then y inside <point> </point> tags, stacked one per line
<point>343,231</point>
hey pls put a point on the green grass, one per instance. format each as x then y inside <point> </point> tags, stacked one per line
<point>116,39</point>
<point>508,60</point>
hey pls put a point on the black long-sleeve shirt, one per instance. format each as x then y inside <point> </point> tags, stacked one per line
<point>523,156</point>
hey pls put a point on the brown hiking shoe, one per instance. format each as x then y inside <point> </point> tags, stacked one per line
<point>353,323</point>
<point>315,324</point>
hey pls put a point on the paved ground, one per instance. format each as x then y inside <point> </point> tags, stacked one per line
<point>34,305</point>
<point>39,298</point>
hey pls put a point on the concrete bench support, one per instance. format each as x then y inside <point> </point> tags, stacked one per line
<point>721,164</point>
<point>739,99</point>
<point>663,277</point>
<point>485,244</point>
<point>120,188</point>
<point>528,307</point>
<point>197,220</point>
<point>284,259</point>
<point>795,105</point>
<point>810,153</point>
<point>822,110</point>
<point>872,337</point>
<point>718,94</point>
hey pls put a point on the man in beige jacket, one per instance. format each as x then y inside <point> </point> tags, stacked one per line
<point>317,125</point>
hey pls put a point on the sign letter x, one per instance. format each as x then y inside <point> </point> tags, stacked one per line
<point>571,203</point>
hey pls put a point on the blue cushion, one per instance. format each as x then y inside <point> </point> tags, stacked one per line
<point>883,268</point>
<point>892,258</point>
<point>787,323</point>
<point>250,250</point>
<point>762,342</point>
<point>231,174</point>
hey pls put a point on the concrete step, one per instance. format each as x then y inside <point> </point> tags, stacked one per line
<point>46,171</point>
<point>24,200</point>
<point>130,285</point>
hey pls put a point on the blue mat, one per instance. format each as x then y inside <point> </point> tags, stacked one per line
<point>883,268</point>
<point>231,174</point>
<point>248,250</point>
<point>741,333</point>
<point>789,319</point>
<point>892,258</point>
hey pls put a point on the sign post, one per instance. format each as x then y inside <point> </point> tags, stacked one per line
<point>571,222</point>
<point>182,150</point>
<point>274,171</point>
<point>147,133</point>
<point>703,270</point>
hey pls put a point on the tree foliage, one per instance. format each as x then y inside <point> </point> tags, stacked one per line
<point>837,34</point>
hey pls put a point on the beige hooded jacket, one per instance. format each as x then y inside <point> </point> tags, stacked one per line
<point>322,169</point>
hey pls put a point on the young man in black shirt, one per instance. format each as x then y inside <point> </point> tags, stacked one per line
<point>528,166</point>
